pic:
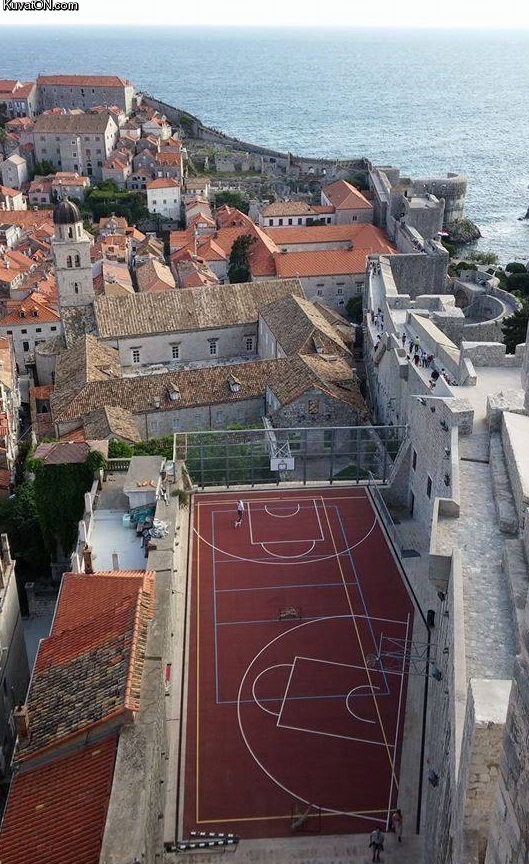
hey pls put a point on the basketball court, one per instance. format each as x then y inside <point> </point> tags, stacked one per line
<point>293,718</point>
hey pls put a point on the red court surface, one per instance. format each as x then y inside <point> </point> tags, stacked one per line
<point>288,713</point>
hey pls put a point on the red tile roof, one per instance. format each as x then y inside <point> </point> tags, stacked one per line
<point>57,812</point>
<point>89,670</point>
<point>325,262</point>
<point>357,235</point>
<point>81,81</point>
<point>345,196</point>
<point>163,183</point>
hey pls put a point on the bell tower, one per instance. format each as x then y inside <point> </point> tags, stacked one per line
<point>71,255</point>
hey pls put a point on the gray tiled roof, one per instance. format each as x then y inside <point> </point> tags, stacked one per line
<point>188,308</point>
<point>296,323</point>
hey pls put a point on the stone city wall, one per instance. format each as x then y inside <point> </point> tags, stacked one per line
<point>508,841</point>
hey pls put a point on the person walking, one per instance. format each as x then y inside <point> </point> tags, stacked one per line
<point>240,512</point>
<point>376,843</point>
<point>396,824</point>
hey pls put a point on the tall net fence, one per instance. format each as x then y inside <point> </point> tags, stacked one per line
<point>237,457</point>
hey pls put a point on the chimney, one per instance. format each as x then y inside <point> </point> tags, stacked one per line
<point>87,558</point>
<point>21,718</point>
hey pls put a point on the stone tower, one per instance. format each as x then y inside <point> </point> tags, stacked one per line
<point>71,255</point>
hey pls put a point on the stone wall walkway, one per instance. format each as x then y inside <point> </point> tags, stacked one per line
<point>489,625</point>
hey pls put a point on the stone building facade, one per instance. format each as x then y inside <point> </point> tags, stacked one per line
<point>84,91</point>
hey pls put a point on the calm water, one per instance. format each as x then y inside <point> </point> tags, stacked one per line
<point>427,102</point>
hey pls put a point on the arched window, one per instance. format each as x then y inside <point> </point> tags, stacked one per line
<point>70,232</point>
<point>69,261</point>
<point>77,261</point>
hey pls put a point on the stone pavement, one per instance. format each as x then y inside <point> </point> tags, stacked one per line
<point>348,849</point>
<point>490,638</point>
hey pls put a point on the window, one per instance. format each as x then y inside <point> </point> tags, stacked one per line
<point>135,353</point>
<point>25,346</point>
<point>429,487</point>
<point>53,329</point>
<point>219,417</point>
<point>339,291</point>
<point>70,232</point>
<point>24,330</point>
<point>9,332</point>
<point>77,261</point>
<point>69,261</point>
<point>76,287</point>
<point>249,343</point>
<point>175,352</point>
<point>175,424</point>
<point>327,439</point>
<point>44,150</point>
<point>314,406</point>
<point>38,330</point>
<point>300,221</point>
<point>213,345</point>
<point>319,292</point>
<point>279,221</point>
<point>290,221</point>
<point>414,460</point>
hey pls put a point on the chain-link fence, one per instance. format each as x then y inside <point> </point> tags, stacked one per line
<point>236,457</point>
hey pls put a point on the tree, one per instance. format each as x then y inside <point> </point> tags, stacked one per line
<point>232,199</point>
<point>515,267</point>
<point>518,282</point>
<point>44,168</point>
<point>354,308</point>
<point>514,328</point>
<point>238,267</point>
<point>59,498</point>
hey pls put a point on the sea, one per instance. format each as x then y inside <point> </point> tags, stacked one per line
<point>428,102</point>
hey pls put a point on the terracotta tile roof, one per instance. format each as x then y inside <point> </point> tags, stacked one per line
<point>154,276</point>
<point>82,81</point>
<point>168,158</point>
<point>112,223</point>
<point>7,192</point>
<point>357,235</point>
<point>217,306</point>
<point>41,185</point>
<point>200,218</point>
<point>89,669</point>
<point>344,196</point>
<point>34,309</point>
<point>27,218</point>
<point>75,124</point>
<point>324,262</point>
<point>164,183</point>
<point>294,208</point>
<point>230,217</point>
<point>299,326</point>
<point>60,809</point>
<point>111,422</point>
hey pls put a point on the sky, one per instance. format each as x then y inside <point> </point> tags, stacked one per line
<point>510,14</point>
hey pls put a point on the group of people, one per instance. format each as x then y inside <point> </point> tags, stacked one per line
<point>376,838</point>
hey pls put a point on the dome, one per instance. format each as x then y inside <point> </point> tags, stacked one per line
<point>66,213</point>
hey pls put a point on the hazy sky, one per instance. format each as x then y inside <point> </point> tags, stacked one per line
<point>510,14</point>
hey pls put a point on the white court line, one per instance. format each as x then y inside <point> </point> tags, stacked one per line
<point>245,738</point>
<point>352,693</point>
<point>268,669</point>
<point>282,515</point>
<point>301,554</point>
<point>399,708</point>
<point>317,560</point>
